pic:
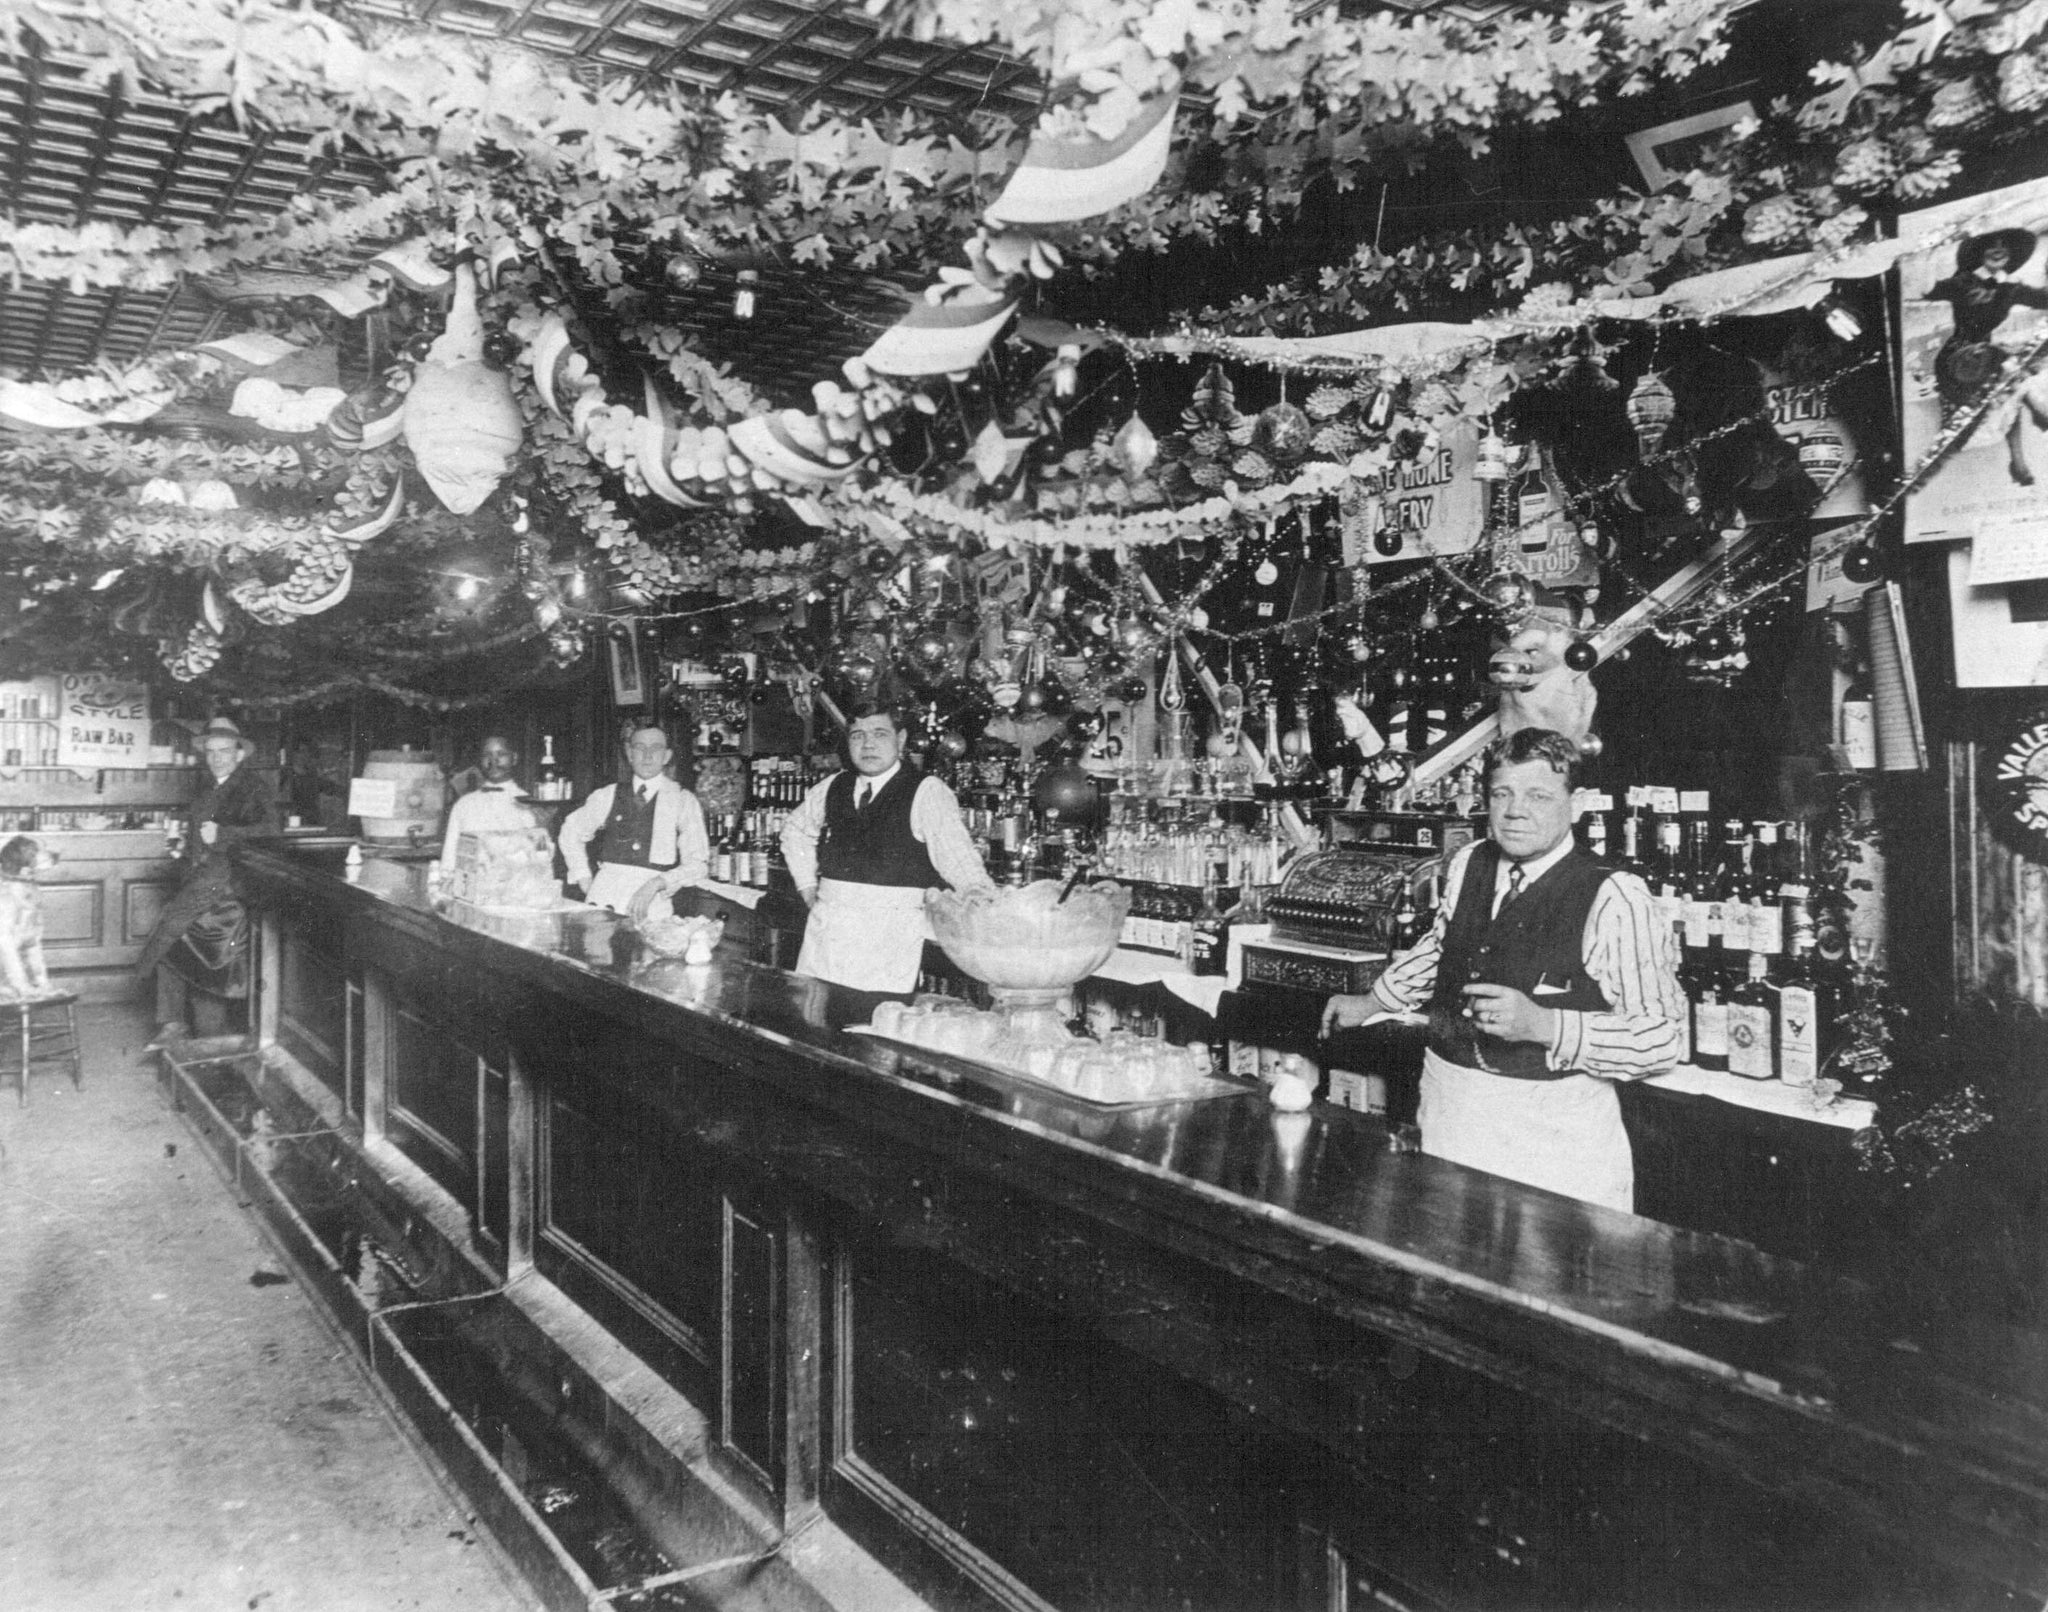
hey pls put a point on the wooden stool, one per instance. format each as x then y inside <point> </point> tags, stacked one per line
<point>44,1031</point>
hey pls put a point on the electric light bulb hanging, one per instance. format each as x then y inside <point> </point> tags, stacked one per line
<point>1066,369</point>
<point>745,284</point>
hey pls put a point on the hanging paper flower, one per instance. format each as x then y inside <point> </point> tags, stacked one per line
<point>1327,402</point>
<point>2023,83</point>
<point>1774,221</point>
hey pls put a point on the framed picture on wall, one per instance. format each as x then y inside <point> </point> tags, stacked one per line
<point>1668,150</point>
<point>627,685</point>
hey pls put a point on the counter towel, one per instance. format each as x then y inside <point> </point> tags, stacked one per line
<point>869,936</point>
<point>1564,1135</point>
<point>615,884</point>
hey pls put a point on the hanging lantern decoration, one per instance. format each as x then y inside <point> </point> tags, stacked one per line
<point>1379,409</point>
<point>1066,369</point>
<point>1651,409</point>
<point>745,285</point>
<point>1841,320</point>
<point>1509,595</point>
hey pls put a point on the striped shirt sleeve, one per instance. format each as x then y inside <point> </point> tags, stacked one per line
<point>1405,983</point>
<point>1629,955</point>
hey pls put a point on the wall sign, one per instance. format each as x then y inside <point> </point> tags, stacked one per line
<point>104,721</point>
<point>2016,791</point>
<point>1415,509</point>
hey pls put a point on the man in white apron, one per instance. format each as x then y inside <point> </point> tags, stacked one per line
<point>646,835</point>
<point>497,805</point>
<point>863,848</point>
<point>1546,979</point>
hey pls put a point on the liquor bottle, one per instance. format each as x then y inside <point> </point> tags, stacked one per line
<point>1858,735</point>
<point>1767,912</point>
<point>1752,1024</point>
<point>757,857</point>
<point>1692,900</point>
<point>1632,841</point>
<point>550,785</point>
<point>1809,1009</point>
<point>1407,921</point>
<point>1729,896</point>
<point>1705,987</point>
<point>1209,934</point>
<point>720,829</point>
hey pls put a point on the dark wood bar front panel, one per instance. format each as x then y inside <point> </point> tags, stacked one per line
<point>1201,1356</point>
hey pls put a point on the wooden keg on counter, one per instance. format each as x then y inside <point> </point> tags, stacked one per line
<point>420,792</point>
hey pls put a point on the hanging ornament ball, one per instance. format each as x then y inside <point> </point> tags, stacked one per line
<point>1862,564</point>
<point>1067,793</point>
<point>1387,541</point>
<point>930,650</point>
<point>953,744</point>
<point>856,670</point>
<point>1132,690</point>
<point>683,270</point>
<point>1508,593</point>
<point>1591,745</point>
<point>1006,695</point>
<point>1581,656</point>
<point>1267,574</point>
<point>1287,430</point>
<point>1134,635</point>
<point>1197,619</point>
<point>1713,644</point>
<point>1429,620</point>
<point>1031,698</point>
<point>567,646</point>
<point>1651,408</point>
<point>1359,649</point>
<point>880,562</point>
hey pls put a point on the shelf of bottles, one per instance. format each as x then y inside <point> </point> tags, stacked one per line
<point>1767,977</point>
<point>746,845</point>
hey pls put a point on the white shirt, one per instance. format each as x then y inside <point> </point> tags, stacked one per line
<point>934,821</point>
<point>1627,953</point>
<point>486,809</point>
<point>681,848</point>
<point>1532,870</point>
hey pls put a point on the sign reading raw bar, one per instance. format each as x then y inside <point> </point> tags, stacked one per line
<point>1974,302</point>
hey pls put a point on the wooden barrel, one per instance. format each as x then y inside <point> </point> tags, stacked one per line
<point>421,789</point>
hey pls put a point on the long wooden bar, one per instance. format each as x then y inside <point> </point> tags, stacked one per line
<point>1035,1353</point>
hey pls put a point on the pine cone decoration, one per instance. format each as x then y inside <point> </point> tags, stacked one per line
<point>1931,180</point>
<point>1209,442</point>
<point>2023,83</point>
<point>1781,218</point>
<point>1327,402</point>
<point>1206,473</point>
<point>1960,105</point>
<point>1252,467</point>
<point>1336,441</point>
<point>1866,166</point>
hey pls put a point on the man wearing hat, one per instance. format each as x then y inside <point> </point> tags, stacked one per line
<point>204,930</point>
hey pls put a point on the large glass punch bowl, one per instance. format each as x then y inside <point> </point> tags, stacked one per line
<point>1028,946</point>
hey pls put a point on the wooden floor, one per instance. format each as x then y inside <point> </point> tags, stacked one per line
<point>182,1429</point>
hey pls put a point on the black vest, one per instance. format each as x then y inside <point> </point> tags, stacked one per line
<point>628,833</point>
<point>1538,937</point>
<point>874,845</point>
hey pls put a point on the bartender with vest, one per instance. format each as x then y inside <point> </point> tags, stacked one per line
<point>863,848</point>
<point>645,833</point>
<point>1546,978</point>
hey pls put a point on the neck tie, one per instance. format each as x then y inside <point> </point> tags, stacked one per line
<point>867,793</point>
<point>1515,882</point>
<point>644,791</point>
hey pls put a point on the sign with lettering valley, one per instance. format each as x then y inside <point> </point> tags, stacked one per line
<point>2016,791</point>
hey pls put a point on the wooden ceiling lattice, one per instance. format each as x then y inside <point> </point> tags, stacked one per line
<point>72,152</point>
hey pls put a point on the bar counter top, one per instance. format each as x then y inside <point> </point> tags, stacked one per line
<point>1930,1427</point>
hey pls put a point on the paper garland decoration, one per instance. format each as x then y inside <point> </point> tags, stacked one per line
<point>1061,180</point>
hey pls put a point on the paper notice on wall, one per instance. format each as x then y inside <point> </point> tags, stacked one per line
<point>373,797</point>
<point>2009,549</point>
<point>104,722</point>
<point>1825,584</point>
